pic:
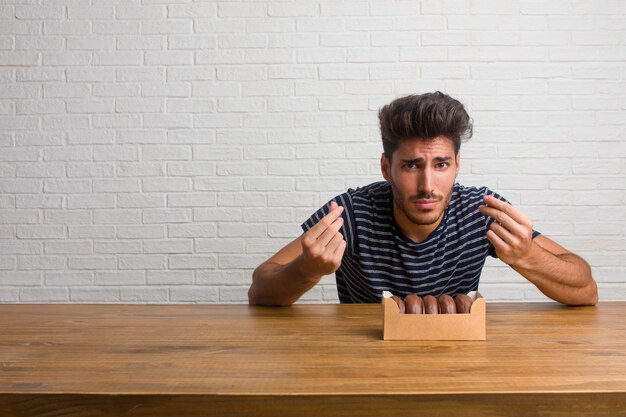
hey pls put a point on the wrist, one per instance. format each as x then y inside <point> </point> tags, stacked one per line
<point>530,259</point>
<point>306,272</point>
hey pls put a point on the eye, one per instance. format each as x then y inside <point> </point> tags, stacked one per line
<point>410,165</point>
<point>442,165</point>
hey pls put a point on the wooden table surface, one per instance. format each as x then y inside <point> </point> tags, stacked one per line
<point>317,360</point>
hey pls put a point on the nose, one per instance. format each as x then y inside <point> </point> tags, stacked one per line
<point>425,183</point>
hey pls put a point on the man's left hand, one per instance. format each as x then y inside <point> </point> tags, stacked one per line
<point>512,232</point>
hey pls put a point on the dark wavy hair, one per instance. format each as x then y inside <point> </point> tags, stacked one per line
<point>424,116</point>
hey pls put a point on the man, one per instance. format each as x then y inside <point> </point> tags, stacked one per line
<point>418,231</point>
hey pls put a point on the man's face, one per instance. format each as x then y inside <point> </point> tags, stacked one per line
<point>422,175</point>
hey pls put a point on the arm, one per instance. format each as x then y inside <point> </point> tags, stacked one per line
<point>297,267</point>
<point>557,272</point>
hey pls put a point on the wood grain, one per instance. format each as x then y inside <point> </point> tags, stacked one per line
<point>132,360</point>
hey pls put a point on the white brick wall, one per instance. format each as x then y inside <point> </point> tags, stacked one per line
<point>157,153</point>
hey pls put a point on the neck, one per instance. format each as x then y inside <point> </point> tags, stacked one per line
<point>416,232</point>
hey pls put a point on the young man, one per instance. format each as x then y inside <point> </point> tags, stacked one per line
<point>418,231</point>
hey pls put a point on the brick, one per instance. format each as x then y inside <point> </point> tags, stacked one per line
<point>41,262</point>
<point>39,12</point>
<point>140,43</point>
<point>139,74</point>
<point>117,216</point>
<point>195,199</point>
<point>94,295</point>
<point>195,136</point>
<point>166,216</point>
<point>68,247</point>
<point>84,232</point>
<point>221,25</point>
<point>168,246</point>
<point>168,57</point>
<point>20,186</point>
<point>167,27</point>
<point>90,169</point>
<point>228,199</point>
<point>65,27</point>
<point>372,54</point>
<point>47,295</point>
<point>270,25</point>
<point>236,9</point>
<point>194,294</point>
<point>19,278</point>
<point>221,278</point>
<point>321,55</point>
<point>144,12</point>
<point>170,277</point>
<point>267,184</point>
<point>65,216</point>
<point>167,120</point>
<point>447,7</point>
<point>149,262</point>
<point>118,58</point>
<point>73,278</point>
<point>93,137</point>
<point>141,232</point>
<point>143,295</point>
<point>192,262</point>
<point>141,200</point>
<point>92,262</point>
<point>191,10</point>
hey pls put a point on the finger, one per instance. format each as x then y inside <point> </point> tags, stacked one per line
<point>504,219</point>
<point>505,235</point>
<point>335,242</point>
<point>330,232</point>
<point>496,241</point>
<point>511,211</point>
<point>340,250</point>
<point>333,213</point>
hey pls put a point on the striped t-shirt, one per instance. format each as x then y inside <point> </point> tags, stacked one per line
<point>379,257</point>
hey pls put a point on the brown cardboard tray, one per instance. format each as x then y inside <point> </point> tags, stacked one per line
<point>470,326</point>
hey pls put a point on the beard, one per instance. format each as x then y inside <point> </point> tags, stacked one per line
<point>420,218</point>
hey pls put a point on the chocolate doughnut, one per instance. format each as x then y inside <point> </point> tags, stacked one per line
<point>414,304</point>
<point>463,303</point>
<point>430,305</point>
<point>400,302</point>
<point>446,304</point>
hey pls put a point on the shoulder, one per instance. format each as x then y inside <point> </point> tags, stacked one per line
<point>370,197</point>
<point>472,196</point>
<point>466,200</point>
<point>375,189</point>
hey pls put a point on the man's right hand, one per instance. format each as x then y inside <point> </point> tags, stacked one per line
<point>322,245</point>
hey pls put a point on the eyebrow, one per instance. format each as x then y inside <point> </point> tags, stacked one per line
<point>436,159</point>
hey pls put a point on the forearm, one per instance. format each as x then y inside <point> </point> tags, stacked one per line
<point>279,285</point>
<point>565,278</point>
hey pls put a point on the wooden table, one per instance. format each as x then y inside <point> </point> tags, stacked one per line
<point>306,360</point>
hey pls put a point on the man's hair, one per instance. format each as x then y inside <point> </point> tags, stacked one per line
<point>424,116</point>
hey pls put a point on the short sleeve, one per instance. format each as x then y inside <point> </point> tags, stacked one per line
<point>347,230</point>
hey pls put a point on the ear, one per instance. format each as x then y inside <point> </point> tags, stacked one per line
<point>385,166</point>
<point>457,160</point>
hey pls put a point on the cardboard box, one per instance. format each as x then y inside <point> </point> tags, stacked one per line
<point>398,326</point>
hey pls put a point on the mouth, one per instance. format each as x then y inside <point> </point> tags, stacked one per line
<point>425,204</point>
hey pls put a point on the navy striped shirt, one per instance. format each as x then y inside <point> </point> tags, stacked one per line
<point>379,257</point>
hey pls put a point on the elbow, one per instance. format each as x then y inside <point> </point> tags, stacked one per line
<point>586,296</point>
<point>260,293</point>
<point>592,293</point>
<point>590,290</point>
<point>251,299</point>
<point>252,291</point>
